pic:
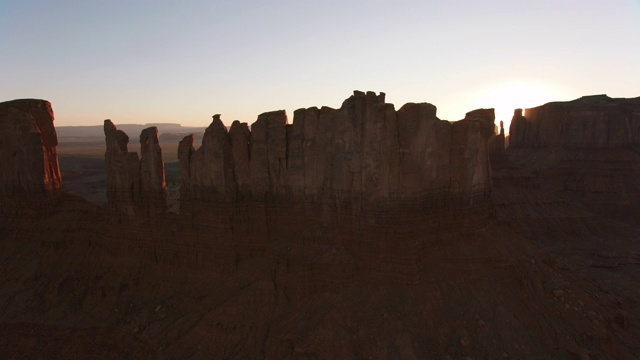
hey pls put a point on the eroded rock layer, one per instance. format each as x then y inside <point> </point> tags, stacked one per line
<point>135,186</point>
<point>249,271</point>
<point>587,148</point>
<point>378,186</point>
<point>364,154</point>
<point>588,122</point>
<point>28,142</point>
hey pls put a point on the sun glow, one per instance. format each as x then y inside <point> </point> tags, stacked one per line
<point>505,98</point>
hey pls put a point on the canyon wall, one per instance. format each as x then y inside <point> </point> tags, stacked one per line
<point>372,188</point>
<point>588,122</point>
<point>364,154</point>
<point>587,148</point>
<point>135,186</point>
<point>361,232</point>
<point>28,142</point>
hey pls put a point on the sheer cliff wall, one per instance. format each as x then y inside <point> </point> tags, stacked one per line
<point>368,187</point>
<point>588,148</point>
<point>588,122</point>
<point>28,141</point>
<point>364,154</point>
<point>339,244</point>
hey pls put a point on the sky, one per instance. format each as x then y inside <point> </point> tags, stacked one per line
<point>155,61</point>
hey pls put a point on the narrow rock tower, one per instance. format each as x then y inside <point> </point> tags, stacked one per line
<point>135,186</point>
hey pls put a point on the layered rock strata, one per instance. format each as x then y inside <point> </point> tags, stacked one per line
<point>588,122</point>
<point>135,186</point>
<point>587,148</point>
<point>28,144</point>
<point>330,278</point>
<point>365,153</point>
<point>497,142</point>
<point>366,182</point>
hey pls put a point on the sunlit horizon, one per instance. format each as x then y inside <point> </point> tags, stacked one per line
<point>181,62</point>
<point>507,97</point>
<point>503,98</point>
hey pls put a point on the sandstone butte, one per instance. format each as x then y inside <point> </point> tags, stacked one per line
<point>358,232</point>
<point>28,143</point>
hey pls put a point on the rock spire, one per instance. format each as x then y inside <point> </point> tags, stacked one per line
<point>135,185</point>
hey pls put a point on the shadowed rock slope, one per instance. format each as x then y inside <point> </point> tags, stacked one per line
<point>587,148</point>
<point>292,244</point>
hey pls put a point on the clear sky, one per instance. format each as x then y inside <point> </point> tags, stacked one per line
<point>141,61</point>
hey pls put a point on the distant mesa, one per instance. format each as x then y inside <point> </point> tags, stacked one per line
<point>97,130</point>
<point>176,137</point>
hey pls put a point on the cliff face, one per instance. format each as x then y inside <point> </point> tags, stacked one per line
<point>366,152</point>
<point>362,232</point>
<point>588,122</point>
<point>28,143</point>
<point>135,186</point>
<point>371,184</point>
<point>586,148</point>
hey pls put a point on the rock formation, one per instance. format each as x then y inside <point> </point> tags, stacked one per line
<point>588,122</point>
<point>135,186</point>
<point>365,153</point>
<point>361,232</point>
<point>497,142</point>
<point>587,148</point>
<point>358,175</point>
<point>28,141</point>
<point>151,164</point>
<point>211,164</point>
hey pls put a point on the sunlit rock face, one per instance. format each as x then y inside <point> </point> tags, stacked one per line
<point>28,144</point>
<point>135,186</point>
<point>589,122</point>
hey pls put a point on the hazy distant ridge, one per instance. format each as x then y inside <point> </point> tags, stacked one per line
<point>97,130</point>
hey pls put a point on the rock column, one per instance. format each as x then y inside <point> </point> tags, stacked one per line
<point>135,186</point>
<point>28,142</point>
